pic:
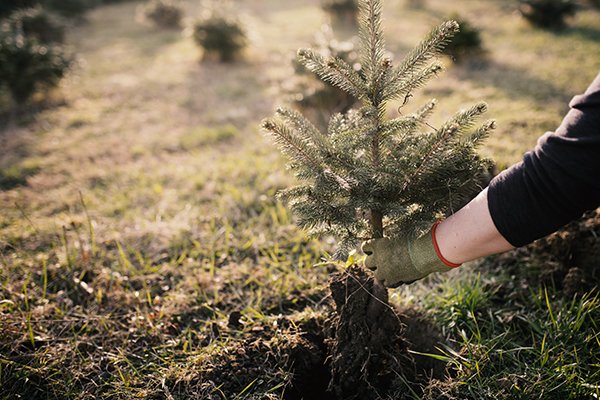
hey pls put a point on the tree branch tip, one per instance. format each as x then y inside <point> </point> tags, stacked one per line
<point>452,26</point>
<point>303,52</point>
<point>268,125</point>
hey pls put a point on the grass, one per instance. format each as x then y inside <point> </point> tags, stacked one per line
<point>541,346</point>
<point>143,253</point>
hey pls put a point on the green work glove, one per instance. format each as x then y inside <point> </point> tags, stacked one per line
<point>402,260</point>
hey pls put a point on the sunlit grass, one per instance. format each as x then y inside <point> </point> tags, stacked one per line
<point>139,215</point>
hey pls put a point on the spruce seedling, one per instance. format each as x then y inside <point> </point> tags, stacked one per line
<point>369,175</point>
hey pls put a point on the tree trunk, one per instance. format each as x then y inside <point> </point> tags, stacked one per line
<point>376,223</point>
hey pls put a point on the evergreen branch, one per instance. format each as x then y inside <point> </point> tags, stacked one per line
<point>344,184</point>
<point>308,131</point>
<point>356,85</point>
<point>352,130</point>
<point>380,85</point>
<point>293,146</point>
<point>371,37</point>
<point>430,47</point>
<point>336,125</point>
<point>314,212</point>
<point>349,133</point>
<point>481,133</point>
<point>466,118</point>
<point>294,192</point>
<point>447,166</point>
<point>335,71</point>
<point>444,134</point>
<point>398,88</point>
<point>402,124</point>
<point>425,111</point>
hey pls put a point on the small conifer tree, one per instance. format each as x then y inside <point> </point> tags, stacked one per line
<point>163,13</point>
<point>548,14</point>
<point>26,66</point>
<point>220,33</point>
<point>369,175</point>
<point>37,23</point>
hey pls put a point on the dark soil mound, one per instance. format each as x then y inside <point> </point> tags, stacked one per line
<point>369,354</point>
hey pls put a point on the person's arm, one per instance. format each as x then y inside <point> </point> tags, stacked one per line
<point>470,233</point>
<point>553,185</point>
<point>556,182</point>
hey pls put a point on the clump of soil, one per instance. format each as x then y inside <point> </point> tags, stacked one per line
<point>368,352</point>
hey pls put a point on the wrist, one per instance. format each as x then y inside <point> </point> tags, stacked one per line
<point>470,233</point>
<point>424,256</point>
<point>436,247</point>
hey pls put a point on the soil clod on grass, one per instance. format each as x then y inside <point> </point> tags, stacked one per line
<point>368,352</point>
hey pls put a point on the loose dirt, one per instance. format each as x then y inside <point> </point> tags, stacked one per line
<point>568,260</point>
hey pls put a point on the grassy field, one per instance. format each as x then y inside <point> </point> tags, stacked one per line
<point>143,254</point>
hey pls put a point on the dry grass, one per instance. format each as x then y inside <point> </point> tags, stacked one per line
<point>138,209</point>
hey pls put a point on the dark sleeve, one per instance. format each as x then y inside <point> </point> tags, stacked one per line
<point>556,182</point>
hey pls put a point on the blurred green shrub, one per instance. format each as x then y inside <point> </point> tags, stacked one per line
<point>220,35</point>
<point>548,14</point>
<point>38,23</point>
<point>341,12</point>
<point>466,42</point>
<point>27,66</point>
<point>163,13</point>
<point>8,6</point>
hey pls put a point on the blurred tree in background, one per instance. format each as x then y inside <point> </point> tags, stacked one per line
<point>163,13</point>
<point>220,34</point>
<point>316,99</point>
<point>341,12</point>
<point>548,14</point>
<point>27,65</point>
<point>37,23</point>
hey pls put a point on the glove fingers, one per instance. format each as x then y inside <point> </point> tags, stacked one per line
<point>379,275</point>
<point>370,263</point>
<point>368,247</point>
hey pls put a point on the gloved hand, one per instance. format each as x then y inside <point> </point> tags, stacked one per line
<point>404,260</point>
